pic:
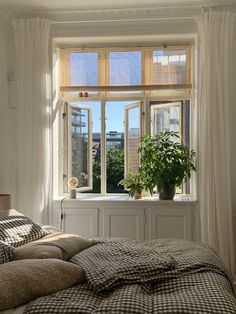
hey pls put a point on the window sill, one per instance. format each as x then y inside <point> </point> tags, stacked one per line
<point>83,197</point>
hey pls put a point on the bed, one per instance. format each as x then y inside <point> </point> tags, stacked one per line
<point>124,276</point>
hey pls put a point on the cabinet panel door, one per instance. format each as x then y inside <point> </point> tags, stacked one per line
<point>123,223</point>
<point>170,223</point>
<point>81,221</point>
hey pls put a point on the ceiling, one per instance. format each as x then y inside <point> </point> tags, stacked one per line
<point>100,4</point>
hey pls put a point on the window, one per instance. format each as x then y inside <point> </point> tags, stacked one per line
<point>79,143</point>
<point>132,135</point>
<point>166,117</point>
<point>172,116</point>
<point>169,66</point>
<point>125,68</point>
<point>79,68</point>
<point>111,97</point>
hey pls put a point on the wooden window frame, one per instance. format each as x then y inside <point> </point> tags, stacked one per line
<point>67,161</point>
<point>145,97</point>
<point>126,135</point>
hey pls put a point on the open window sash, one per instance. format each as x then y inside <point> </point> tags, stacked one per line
<point>79,145</point>
<point>167,117</point>
<point>132,134</point>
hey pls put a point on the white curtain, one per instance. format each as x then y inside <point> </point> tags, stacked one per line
<point>215,31</point>
<point>33,117</point>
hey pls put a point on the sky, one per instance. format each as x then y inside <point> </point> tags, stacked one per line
<point>114,114</point>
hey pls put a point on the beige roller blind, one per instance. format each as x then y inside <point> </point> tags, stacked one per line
<point>78,68</point>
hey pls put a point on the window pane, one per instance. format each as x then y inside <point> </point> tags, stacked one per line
<point>125,68</point>
<point>84,69</point>
<point>79,145</point>
<point>115,133</point>
<point>172,116</point>
<point>169,66</point>
<point>166,117</point>
<point>132,139</point>
<point>96,143</point>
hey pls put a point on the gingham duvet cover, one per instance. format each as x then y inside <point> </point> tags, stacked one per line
<point>159,276</point>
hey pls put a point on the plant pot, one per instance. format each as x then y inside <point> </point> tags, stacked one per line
<point>167,192</point>
<point>138,195</point>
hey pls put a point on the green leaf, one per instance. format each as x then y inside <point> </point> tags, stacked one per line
<point>165,161</point>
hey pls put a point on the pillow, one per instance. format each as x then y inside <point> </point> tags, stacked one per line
<point>55,245</point>
<point>6,252</point>
<point>37,252</point>
<point>25,280</point>
<point>16,229</point>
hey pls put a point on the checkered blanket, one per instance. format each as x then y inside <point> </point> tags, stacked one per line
<point>159,276</point>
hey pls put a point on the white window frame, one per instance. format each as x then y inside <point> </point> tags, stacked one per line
<point>126,135</point>
<point>166,105</point>
<point>145,97</point>
<point>67,167</point>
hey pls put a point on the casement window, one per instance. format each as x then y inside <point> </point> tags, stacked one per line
<point>78,139</point>
<point>112,96</point>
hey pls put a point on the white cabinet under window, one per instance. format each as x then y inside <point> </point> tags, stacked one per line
<point>170,222</point>
<point>122,222</point>
<point>122,217</point>
<point>83,221</point>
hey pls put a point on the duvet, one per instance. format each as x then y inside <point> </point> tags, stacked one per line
<point>159,276</point>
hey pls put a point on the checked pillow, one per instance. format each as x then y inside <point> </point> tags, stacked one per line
<point>17,229</point>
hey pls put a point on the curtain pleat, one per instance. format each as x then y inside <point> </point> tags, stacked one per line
<point>33,96</point>
<point>215,30</point>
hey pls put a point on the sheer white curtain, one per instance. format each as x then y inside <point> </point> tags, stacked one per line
<point>215,31</point>
<point>33,117</point>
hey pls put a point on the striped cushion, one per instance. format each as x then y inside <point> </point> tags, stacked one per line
<point>6,252</point>
<point>16,229</point>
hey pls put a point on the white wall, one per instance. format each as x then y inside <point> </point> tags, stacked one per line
<point>7,115</point>
<point>130,32</point>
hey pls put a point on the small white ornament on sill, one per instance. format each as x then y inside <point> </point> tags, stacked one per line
<point>72,184</point>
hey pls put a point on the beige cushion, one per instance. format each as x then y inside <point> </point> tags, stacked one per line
<point>25,280</point>
<point>56,245</point>
<point>38,251</point>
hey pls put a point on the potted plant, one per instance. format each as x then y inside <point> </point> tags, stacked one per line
<point>165,163</point>
<point>134,184</point>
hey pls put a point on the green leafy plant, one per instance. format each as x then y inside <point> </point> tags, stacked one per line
<point>133,183</point>
<point>115,171</point>
<point>165,161</point>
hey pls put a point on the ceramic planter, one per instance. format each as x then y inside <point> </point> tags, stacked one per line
<point>167,192</point>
